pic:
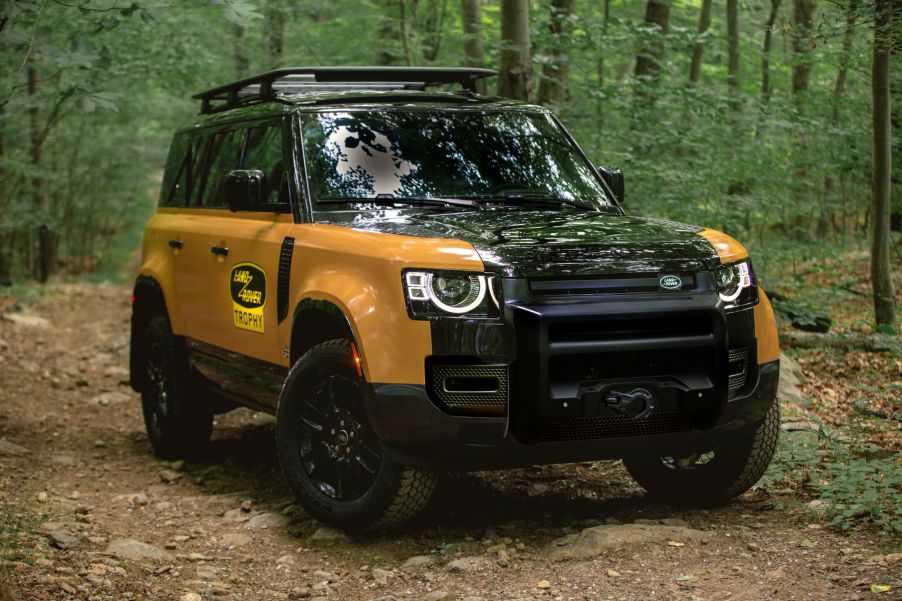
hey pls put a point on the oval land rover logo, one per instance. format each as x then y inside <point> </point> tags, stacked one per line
<point>670,282</point>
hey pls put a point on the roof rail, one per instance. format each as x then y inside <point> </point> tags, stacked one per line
<point>298,80</point>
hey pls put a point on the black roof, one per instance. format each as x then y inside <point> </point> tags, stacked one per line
<point>273,85</point>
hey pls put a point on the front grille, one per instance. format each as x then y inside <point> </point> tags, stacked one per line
<point>615,284</point>
<point>630,364</point>
<point>471,387</point>
<point>739,369</point>
<point>631,329</point>
<point>584,428</point>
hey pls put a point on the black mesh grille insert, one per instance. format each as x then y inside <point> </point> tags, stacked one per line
<point>471,387</point>
<point>739,369</point>
<point>583,428</point>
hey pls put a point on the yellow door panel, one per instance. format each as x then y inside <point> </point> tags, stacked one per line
<point>241,287</point>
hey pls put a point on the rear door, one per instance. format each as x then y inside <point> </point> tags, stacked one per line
<point>197,232</point>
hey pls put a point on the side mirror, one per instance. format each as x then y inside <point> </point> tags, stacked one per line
<point>243,189</point>
<point>613,177</point>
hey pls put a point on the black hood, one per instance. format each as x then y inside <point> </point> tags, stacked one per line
<point>518,243</point>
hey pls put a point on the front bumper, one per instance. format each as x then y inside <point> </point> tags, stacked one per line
<point>415,432</point>
<point>563,358</point>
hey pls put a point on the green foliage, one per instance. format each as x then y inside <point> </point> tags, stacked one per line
<point>856,483</point>
<point>115,78</point>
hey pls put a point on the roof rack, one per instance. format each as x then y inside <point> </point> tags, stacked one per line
<point>299,80</point>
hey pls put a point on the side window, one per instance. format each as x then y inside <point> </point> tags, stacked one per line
<point>222,153</point>
<point>263,152</point>
<point>175,177</point>
<point>198,159</point>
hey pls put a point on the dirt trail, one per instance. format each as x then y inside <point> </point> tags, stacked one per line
<point>77,476</point>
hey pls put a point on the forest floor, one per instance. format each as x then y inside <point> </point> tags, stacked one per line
<point>88,512</point>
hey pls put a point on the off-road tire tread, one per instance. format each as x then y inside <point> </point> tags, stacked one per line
<point>711,491</point>
<point>764,445</point>
<point>192,419</point>
<point>413,487</point>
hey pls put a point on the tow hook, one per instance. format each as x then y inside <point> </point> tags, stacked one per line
<point>637,403</point>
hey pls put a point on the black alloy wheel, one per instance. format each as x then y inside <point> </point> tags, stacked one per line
<point>177,416</point>
<point>340,454</point>
<point>330,455</point>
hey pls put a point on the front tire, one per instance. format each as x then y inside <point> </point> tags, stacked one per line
<point>179,421</point>
<point>329,453</point>
<point>712,478</point>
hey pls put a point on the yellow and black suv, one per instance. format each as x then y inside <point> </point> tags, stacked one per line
<point>415,278</point>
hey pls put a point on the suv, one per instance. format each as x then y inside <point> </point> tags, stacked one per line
<point>414,279</point>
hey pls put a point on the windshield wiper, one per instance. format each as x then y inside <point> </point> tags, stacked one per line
<point>387,200</point>
<point>515,198</point>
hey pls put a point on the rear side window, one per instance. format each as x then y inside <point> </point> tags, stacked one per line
<point>175,177</point>
<point>216,155</point>
<point>263,152</point>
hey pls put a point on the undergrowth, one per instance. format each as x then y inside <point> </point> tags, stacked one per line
<point>856,483</point>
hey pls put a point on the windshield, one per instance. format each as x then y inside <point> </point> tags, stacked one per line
<point>480,156</point>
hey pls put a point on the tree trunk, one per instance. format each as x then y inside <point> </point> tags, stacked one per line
<point>600,73</point>
<point>881,277</point>
<point>46,239</point>
<point>274,33</point>
<point>733,35</point>
<point>839,89</point>
<point>515,76</point>
<point>651,52</point>
<point>242,62</point>
<point>428,27</point>
<point>5,236</point>
<point>765,50</point>
<point>553,84</point>
<point>802,44</point>
<point>389,32</point>
<point>474,46</point>
<point>698,49</point>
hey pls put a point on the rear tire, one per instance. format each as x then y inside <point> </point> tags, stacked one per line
<point>712,478</point>
<point>179,421</point>
<point>329,453</point>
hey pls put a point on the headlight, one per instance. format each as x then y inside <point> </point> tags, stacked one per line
<point>736,285</point>
<point>445,293</point>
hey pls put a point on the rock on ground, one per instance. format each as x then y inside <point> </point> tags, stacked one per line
<point>417,561</point>
<point>26,319</point>
<point>328,534</point>
<point>468,564</point>
<point>791,377</point>
<point>267,520</point>
<point>600,539</point>
<point>135,550</point>
<point>11,448</point>
<point>63,539</point>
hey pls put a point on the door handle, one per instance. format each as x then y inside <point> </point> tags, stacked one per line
<point>219,250</point>
<point>175,244</point>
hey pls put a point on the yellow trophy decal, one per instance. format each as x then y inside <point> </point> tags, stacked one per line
<point>247,284</point>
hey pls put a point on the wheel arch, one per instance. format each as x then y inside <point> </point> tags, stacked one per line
<point>314,322</point>
<point>148,301</point>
